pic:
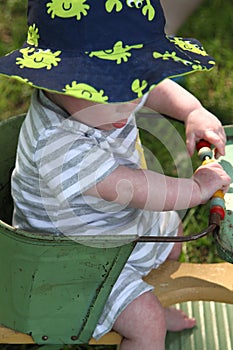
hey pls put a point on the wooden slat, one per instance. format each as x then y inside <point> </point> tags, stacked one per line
<point>213,330</point>
<point>8,336</point>
<point>177,282</point>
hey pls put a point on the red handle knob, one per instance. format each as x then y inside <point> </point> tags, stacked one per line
<point>202,143</point>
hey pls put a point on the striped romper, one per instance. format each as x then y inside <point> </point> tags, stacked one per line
<point>58,159</point>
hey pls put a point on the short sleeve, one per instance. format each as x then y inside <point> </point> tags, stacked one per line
<point>70,163</point>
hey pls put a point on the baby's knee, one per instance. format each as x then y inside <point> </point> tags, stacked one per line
<point>142,324</point>
<point>151,317</point>
<point>153,311</point>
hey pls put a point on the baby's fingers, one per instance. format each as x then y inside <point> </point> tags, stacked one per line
<point>223,176</point>
<point>216,139</point>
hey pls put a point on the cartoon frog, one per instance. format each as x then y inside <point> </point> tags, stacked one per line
<point>33,35</point>
<point>134,3</point>
<point>188,46</point>
<point>38,58</point>
<point>81,90</point>
<point>117,53</point>
<point>147,9</point>
<point>173,56</point>
<point>138,86</point>
<point>109,5</point>
<point>68,8</point>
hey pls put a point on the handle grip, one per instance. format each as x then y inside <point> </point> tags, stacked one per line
<point>217,202</point>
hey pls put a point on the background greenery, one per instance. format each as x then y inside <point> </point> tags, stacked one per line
<point>212,24</point>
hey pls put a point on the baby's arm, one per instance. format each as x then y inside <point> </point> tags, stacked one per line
<point>149,190</point>
<point>172,100</point>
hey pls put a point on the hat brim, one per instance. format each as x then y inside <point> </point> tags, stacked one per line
<point>99,79</point>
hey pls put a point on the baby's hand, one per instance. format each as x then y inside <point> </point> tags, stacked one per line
<point>210,178</point>
<point>201,124</point>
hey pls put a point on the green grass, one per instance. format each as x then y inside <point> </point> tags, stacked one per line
<point>212,24</point>
<point>13,26</point>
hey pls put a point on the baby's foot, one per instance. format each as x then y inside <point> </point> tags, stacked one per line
<point>177,320</point>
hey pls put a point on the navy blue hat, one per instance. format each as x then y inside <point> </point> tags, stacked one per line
<point>101,50</point>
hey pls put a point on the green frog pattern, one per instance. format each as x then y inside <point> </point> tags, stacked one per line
<point>118,53</point>
<point>173,56</point>
<point>79,8</point>
<point>185,45</point>
<point>138,86</point>
<point>81,90</point>
<point>188,46</point>
<point>33,35</point>
<point>38,58</point>
<point>145,5</point>
<point>68,8</point>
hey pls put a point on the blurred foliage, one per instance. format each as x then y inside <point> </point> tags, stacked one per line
<point>212,24</point>
<point>15,96</point>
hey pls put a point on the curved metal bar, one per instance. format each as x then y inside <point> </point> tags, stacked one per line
<point>209,229</point>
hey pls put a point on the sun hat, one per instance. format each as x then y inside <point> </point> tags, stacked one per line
<point>101,50</point>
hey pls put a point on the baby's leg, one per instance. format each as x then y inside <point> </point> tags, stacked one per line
<point>177,320</point>
<point>144,322</point>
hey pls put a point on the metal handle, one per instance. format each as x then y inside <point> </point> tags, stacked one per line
<point>210,229</point>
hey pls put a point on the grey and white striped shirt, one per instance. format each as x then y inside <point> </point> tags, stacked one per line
<point>58,159</point>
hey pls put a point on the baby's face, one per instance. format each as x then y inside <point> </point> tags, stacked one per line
<point>109,116</point>
<point>101,116</point>
<point>105,116</point>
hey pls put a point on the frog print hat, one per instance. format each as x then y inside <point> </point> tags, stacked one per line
<point>101,50</point>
